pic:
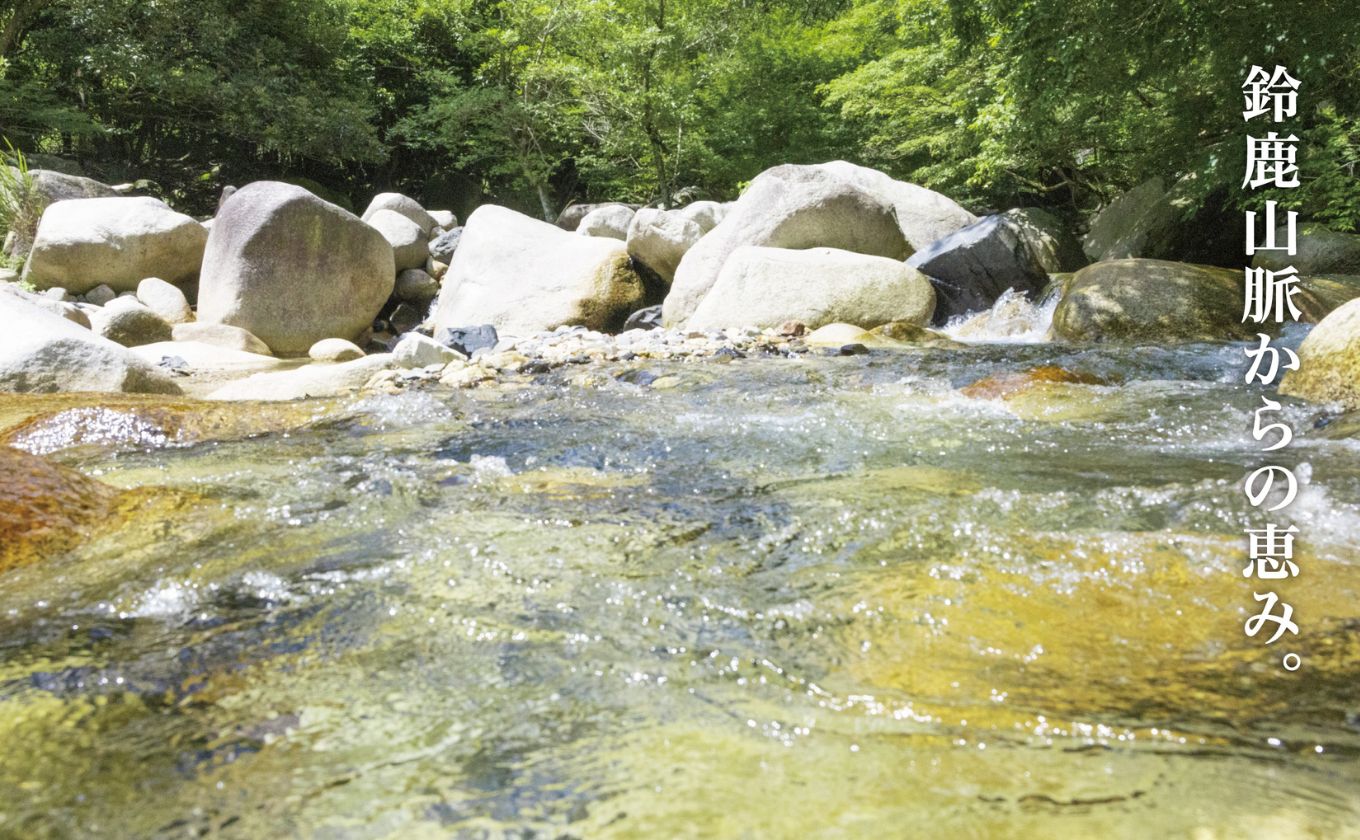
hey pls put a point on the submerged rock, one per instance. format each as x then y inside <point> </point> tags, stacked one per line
<point>293,269</point>
<point>764,287</point>
<point>1329,361</point>
<point>522,275</point>
<point>1011,383</point>
<point>788,207</point>
<point>1152,300</point>
<point>45,508</point>
<point>118,242</point>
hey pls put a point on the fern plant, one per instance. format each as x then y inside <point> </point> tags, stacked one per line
<point>20,204</point>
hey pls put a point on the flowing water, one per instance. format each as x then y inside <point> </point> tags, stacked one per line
<point>818,597</point>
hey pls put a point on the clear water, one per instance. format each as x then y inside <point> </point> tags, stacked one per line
<point>830,597</point>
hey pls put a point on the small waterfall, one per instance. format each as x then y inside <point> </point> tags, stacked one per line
<point>1013,319</point>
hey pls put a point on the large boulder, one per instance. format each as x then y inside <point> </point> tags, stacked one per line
<point>410,244</point>
<point>765,287</point>
<point>924,215</point>
<point>522,275</point>
<point>974,266</point>
<point>1050,241</point>
<point>52,186</point>
<point>788,206</point>
<point>43,352</point>
<point>1186,222</point>
<point>402,205</point>
<point>1319,251</point>
<point>659,239</point>
<point>82,243</point>
<point>293,269</point>
<point>1153,300</point>
<point>612,221</point>
<point>1329,361</point>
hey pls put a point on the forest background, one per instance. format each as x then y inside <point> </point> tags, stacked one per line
<point>538,103</point>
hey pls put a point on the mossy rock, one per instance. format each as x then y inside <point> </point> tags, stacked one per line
<point>1153,300</point>
<point>1329,361</point>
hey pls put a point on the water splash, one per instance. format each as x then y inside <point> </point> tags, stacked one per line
<point>1013,319</point>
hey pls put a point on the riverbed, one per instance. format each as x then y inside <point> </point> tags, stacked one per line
<point>824,596</point>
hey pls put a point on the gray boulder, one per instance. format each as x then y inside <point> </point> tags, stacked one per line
<point>1053,246</point>
<point>82,243</point>
<point>43,352</point>
<point>468,340</point>
<point>127,322</point>
<point>444,219</point>
<point>220,335</point>
<point>1319,251</point>
<point>787,207</point>
<point>164,299</point>
<point>570,217</point>
<point>1153,300</point>
<point>522,276</point>
<point>972,267</point>
<point>443,246</point>
<point>293,269</point>
<point>410,244</point>
<point>924,215</point>
<point>659,239</point>
<point>1184,223</point>
<point>417,351</point>
<point>416,287</point>
<point>765,287</point>
<point>404,206</point>
<point>612,221</point>
<point>647,318</point>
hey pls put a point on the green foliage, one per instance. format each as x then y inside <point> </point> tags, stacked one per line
<point>534,103</point>
<point>20,204</point>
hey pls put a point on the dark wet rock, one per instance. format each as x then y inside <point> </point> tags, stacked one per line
<point>971,268</point>
<point>468,340</point>
<point>648,318</point>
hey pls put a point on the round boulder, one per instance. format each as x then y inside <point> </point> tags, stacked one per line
<point>410,244</point>
<point>402,205</point>
<point>293,269</point>
<point>764,287</point>
<point>788,206</point>
<point>1329,361</point>
<point>82,243</point>
<point>612,221</point>
<point>1153,300</point>
<point>522,276</point>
